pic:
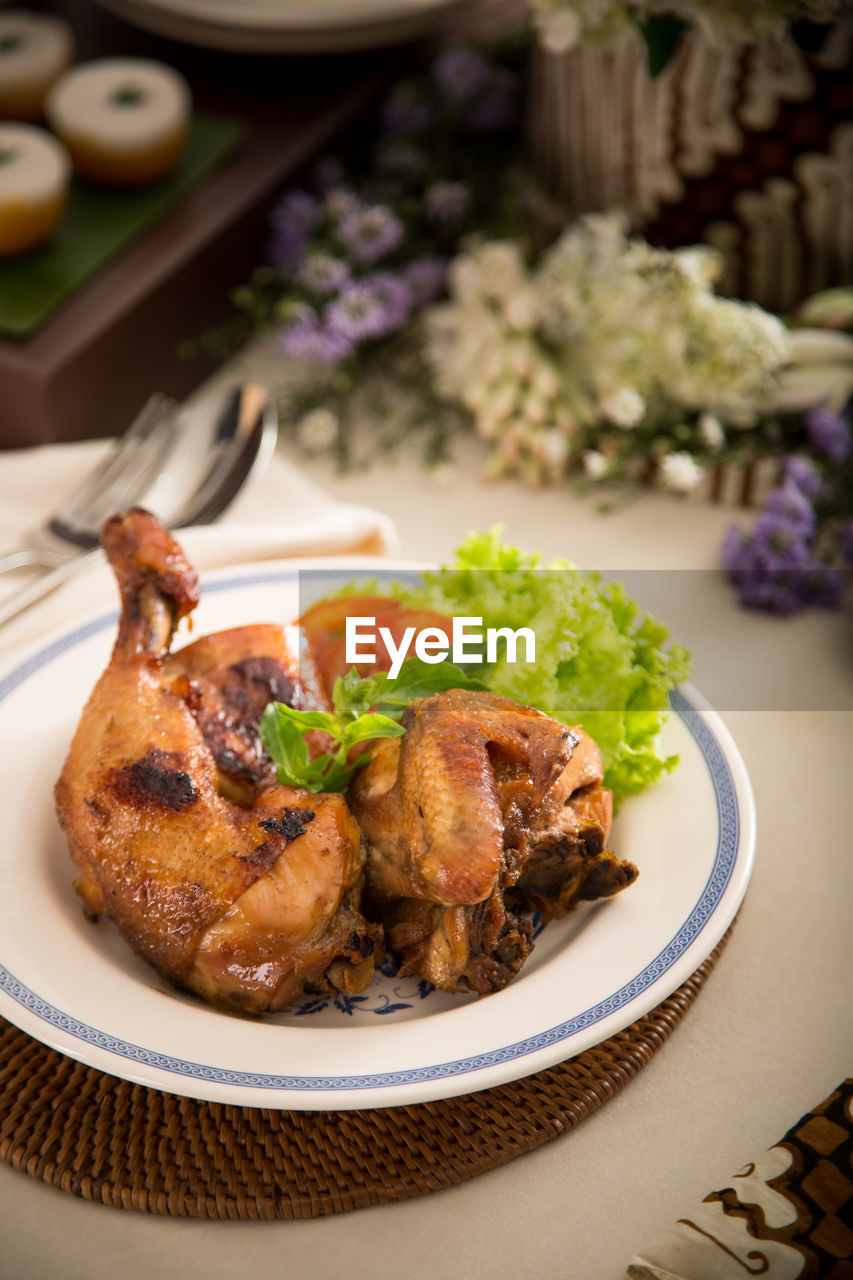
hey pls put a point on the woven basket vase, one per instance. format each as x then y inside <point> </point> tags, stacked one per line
<point>748,148</point>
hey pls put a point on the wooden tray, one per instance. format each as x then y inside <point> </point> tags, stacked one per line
<point>124,1145</point>
<point>90,367</point>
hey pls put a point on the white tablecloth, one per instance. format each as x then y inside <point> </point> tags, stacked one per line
<point>770,1035</point>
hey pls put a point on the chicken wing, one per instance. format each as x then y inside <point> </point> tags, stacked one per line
<point>244,903</point>
<point>485,812</point>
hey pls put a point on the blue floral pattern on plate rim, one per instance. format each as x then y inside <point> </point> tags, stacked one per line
<point>728,840</point>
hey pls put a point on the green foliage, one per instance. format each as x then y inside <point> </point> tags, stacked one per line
<point>662,33</point>
<point>601,661</point>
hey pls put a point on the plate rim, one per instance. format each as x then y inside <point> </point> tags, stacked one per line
<point>709,918</point>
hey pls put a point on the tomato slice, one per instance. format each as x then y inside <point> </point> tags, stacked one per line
<point>325,626</point>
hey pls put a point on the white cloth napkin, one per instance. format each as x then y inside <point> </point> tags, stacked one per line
<point>279,514</point>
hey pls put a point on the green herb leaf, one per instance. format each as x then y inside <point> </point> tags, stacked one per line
<point>364,708</point>
<point>418,680</point>
<point>370,726</point>
<point>661,33</point>
<point>308,720</point>
<point>284,740</point>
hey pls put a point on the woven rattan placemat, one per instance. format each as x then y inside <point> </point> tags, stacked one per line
<point>122,1144</point>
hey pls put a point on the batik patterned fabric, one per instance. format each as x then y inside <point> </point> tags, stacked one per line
<point>786,1216</point>
<point>746,147</point>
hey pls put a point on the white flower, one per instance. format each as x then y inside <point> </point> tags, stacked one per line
<point>475,396</point>
<point>560,31</point>
<point>522,309</point>
<point>711,431</point>
<point>546,383</point>
<point>552,448</point>
<point>502,270</point>
<point>594,464</point>
<point>340,201</point>
<point>492,367</point>
<point>501,403</point>
<point>535,410</point>
<point>465,280</point>
<point>624,406</point>
<point>701,265</point>
<point>317,430</point>
<point>564,419</point>
<point>459,341</point>
<point>607,329</point>
<point>625,314</point>
<point>564,23</point>
<point>519,360</point>
<point>679,472</point>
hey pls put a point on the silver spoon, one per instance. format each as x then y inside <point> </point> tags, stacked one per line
<point>203,459</point>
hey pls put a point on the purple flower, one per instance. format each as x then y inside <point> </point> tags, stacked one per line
<point>460,74</point>
<point>789,505</point>
<point>772,595</point>
<point>803,473</point>
<point>773,567</point>
<point>777,544</point>
<point>292,221</point>
<point>765,574</point>
<point>371,307</point>
<point>447,201</point>
<point>305,337</point>
<point>758,587</point>
<point>395,295</point>
<point>406,111</point>
<point>340,202</point>
<point>829,433</point>
<point>425,277</point>
<point>736,554</point>
<point>495,107</point>
<point>322,274</point>
<point>821,585</point>
<point>370,233</point>
<point>299,210</point>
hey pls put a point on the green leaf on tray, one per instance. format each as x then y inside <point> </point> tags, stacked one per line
<point>98,224</point>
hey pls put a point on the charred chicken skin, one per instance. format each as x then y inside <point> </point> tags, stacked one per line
<point>484,812</point>
<point>238,889</point>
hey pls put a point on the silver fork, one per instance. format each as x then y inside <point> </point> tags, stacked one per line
<point>121,479</point>
<point>236,439</point>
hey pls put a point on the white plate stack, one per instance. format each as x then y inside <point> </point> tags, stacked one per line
<point>290,26</point>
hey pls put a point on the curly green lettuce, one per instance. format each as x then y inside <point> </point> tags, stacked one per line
<point>601,662</point>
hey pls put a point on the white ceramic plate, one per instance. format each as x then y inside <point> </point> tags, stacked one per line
<point>78,987</point>
<point>289,26</point>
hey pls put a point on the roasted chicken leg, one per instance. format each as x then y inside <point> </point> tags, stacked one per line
<point>244,902</point>
<point>483,813</point>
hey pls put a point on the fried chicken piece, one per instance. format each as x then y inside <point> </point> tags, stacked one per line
<point>483,813</point>
<point>228,678</point>
<point>245,904</point>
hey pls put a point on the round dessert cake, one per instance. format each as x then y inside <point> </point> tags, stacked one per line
<point>34,175</point>
<point>34,51</point>
<point>124,120</point>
